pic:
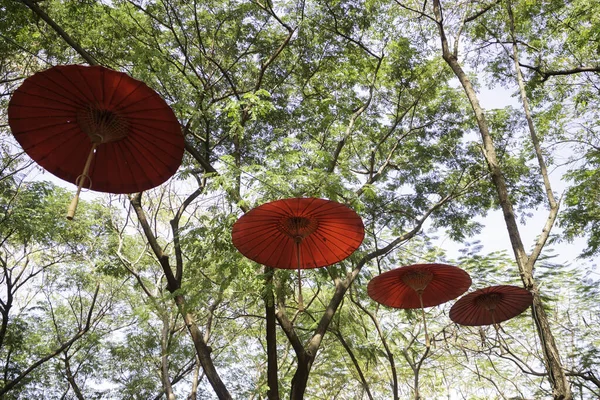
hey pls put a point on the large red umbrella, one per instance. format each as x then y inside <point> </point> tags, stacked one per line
<point>490,305</point>
<point>96,127</point>
<point>419,286</point>
<point>298,233</point>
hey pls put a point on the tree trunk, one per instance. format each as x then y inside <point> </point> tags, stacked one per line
<point>560,387</point>
<point>164,360</point>
<point>203,352</point>
<point>558,378</point>
<point>300,379</point>
<point>271,337</point>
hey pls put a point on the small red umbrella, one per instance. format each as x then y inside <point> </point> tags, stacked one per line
<point>98,127</point>
<point>298,233</point>
<point>490,305</point>
<point>419,286</point>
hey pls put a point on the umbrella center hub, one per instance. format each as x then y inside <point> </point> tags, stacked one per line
<point>417,280</point>
<point>488,300</point>
<point>298,227</point>
<point>101,125</point>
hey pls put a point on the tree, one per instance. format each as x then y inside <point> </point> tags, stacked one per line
<point>525,261</point>
<point>39,259</point>
<point>344,100</point>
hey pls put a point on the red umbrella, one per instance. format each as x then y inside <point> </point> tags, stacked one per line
<point>98,127</point>
<point>298,233</point>
<point>419,286</point>
<point>490,305</point>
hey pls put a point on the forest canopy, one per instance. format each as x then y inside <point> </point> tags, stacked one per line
<point>373,104</point>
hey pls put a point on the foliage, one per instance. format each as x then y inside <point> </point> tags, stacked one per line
<point>339,99</point>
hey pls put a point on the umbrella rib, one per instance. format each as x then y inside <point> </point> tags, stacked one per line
<point>49,139</point>
<point>95,100</point>
<point>154,160</point>
<point>253,238</point>
<point>252,232</point>
<point>150,95</point>
<point>401,294</point>
<point>71,126</point>
<point>143,110</point>
<point>115,90</point>
<point>139,84</point>
<point>308,204</point>
<point>103,85</point>
<point>286,209</point>
<point>58,144</point>
<point>139,139</point>
<point>287,238</point>
<point>343,251</point>
<point>345,230</point>
<point>319,208</point>
<point>469,314</point>
<point>30,117</point>
<point>125,149</point>
<point>267,246</point>
<point>68,108</point>
<point>78,69</point>
<point>310,249</point>
<point>153,129</point>
<point>49,78</point>
<point>112,148</point>
<point>69,103</point>
<point>140,165</point>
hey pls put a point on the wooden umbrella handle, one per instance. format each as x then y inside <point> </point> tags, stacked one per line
<point>300,300</point>
<point>84,174</point>
<point>427,342</point>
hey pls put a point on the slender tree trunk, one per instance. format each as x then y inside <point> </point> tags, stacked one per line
<point>71,379</point>
<point>556,372</point>
<point>561,390</point>
<point>346,347</point>
<point>203,352</point>
<point>388,352</point>
<point>202,349</point>
<point>271,337</point>
<point>194,392</point>
<point>4,325</point>
<point>164,363</point>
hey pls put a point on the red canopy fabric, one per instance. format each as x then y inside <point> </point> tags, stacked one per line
<point>438,283</point>
<point>490,305</point>
<point>325,231</point>
<point>57,115</point>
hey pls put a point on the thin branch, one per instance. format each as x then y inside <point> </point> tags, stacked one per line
<point>10,385</point>
<point>84,54</point>
<point>548,73</point>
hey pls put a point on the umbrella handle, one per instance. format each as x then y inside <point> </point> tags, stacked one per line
<point>427,343</point>
<point>496,327</point>
<point>300,300</point>
<point>84,174</point>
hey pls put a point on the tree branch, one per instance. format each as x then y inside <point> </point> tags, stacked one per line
<point>10,385</point>
<point>548,73</point>
<point>37,10</point>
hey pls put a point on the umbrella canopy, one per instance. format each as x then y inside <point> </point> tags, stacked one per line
<point>419,286</point>
<point>490,305</point>
<point>71,116</point>
<point>298,233</point>
<point>435,283</point>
